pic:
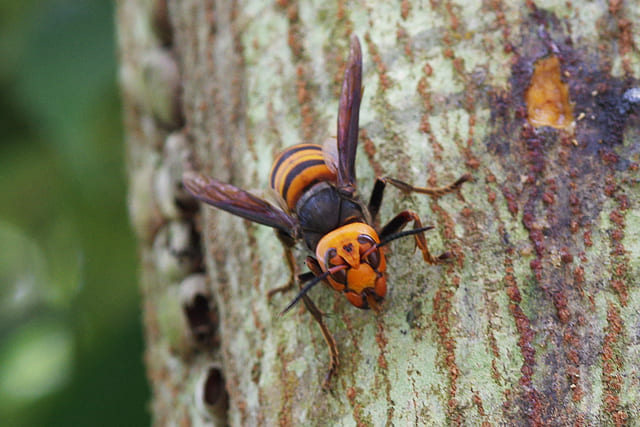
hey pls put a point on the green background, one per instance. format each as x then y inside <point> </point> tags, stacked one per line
<point>71,349</point>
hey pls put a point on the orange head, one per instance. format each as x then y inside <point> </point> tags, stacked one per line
<point>355,263</point>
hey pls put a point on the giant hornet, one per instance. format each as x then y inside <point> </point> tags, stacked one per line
<point>320,205</point>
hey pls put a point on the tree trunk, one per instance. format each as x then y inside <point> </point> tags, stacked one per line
<point>534,323</point>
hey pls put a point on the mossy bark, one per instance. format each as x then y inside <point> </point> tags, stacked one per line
<point>535,322</point>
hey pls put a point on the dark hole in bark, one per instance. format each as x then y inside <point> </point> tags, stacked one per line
<point>200,318</point>
<point>214,389</point>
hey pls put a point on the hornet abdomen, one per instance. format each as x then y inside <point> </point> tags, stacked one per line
<point>296,170</point>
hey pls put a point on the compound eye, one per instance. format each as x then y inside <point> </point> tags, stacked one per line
<point>366,243</point>
<point>332,260</point>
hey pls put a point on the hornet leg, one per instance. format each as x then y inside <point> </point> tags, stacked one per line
<point>291,263</point>
<point>398,223</point>
<point>376,195</point>
<point>334,360</point>
<point>318,315</point>
<point>315,312</point>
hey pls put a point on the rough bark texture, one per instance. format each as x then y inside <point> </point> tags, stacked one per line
<point>535,323</point>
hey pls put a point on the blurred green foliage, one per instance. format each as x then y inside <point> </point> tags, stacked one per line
<point>71,350</point>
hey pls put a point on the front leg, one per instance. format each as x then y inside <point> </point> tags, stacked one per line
<point>398,223</point>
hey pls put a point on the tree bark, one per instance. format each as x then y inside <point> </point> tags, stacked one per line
<point>534,323</point>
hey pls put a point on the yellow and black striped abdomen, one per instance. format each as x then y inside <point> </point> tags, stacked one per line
<point>296,169</point>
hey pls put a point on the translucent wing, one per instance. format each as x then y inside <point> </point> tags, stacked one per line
<point>238,202</point>
<point>348,113</point>
<point>330,154</point>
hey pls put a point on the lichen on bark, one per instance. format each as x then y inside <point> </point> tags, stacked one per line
<point>534,322</point>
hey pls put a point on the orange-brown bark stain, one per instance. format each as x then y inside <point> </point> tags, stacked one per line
<point>370,151</point>
<point>382,342</point>
<point>304,92</point>
<point>381,68</point>
<point>619,254</point>
<point>498,9</point>
<point>357,407</point>
<point>442,318</point>
<point>611,364</point>
<point>287,378</point>
<point>525,343</point>
<point>236,398</point>
<point>624,33</point>
<point>352,392</point>
<point>404,40</point>
<point>405,9</point>
<point>256,265</point>
<point>425,95</point>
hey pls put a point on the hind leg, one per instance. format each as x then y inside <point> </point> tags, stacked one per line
<point>287,244</point>
<point>376,195</point>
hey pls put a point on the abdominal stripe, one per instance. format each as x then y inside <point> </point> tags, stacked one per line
<point>285,155</point>
<point>296,171</point>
